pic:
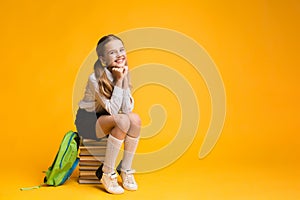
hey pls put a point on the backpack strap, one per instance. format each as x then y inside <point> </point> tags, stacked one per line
<point>31,188</point>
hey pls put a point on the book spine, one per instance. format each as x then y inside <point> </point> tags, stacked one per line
<point>87,173</point>
<point>88,181</point>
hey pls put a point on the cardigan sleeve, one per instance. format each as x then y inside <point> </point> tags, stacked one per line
<point>128,101</point>
<point>112,105</point>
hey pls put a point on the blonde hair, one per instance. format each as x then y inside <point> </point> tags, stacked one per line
<point>105,86</point>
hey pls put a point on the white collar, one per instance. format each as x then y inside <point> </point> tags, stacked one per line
<point>109,75</point>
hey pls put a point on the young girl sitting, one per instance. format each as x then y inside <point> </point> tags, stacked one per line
<point>106,110</point>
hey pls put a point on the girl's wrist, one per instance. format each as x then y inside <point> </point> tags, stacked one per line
<point>125,83</point>
<point>119,83</point>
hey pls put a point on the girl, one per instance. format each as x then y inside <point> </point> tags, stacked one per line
<point>106,110</point>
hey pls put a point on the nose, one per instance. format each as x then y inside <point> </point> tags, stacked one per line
<point>120,53</point>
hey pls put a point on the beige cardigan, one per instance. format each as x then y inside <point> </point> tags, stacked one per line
<point>121,100</point>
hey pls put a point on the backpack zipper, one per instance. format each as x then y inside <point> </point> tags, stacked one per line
<point>62,158</point>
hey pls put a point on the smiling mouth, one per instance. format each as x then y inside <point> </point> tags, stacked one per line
<point>120,60</point>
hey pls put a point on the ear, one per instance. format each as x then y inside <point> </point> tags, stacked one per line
<point>102,61</point>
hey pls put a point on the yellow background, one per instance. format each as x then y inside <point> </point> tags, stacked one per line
<point>254,44</point>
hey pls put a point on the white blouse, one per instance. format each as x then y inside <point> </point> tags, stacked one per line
<point>121,100</point>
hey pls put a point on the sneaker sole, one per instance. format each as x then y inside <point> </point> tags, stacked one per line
<point>109,190</point>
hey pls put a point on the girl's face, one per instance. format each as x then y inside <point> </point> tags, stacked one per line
<point>114,54</point>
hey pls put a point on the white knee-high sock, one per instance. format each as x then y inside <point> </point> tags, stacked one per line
<point>112,150</point>
<point>130,146</point>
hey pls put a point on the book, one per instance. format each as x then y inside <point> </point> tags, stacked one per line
<point>99,148</point>
<point>89,181</point>
<point>90,142</point>
<point>92,151</point>
<point>87,173</point>
<point>88,168</point>
<point>89,163</point>
<point>88,177</point>
<point>91,158</point>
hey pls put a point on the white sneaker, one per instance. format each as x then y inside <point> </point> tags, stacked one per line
<point>111,184</point>
<point>128,180</point>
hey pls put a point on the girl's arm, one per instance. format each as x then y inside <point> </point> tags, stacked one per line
<point>112,105</point>
<point>128,101</point>
<point>125,82</point>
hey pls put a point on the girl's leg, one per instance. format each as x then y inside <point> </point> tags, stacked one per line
<point>131,140</point>
<point>135,125</point>
<point>130,145</point>
<point>117,126</point>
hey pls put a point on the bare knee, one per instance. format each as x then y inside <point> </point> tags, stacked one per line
<point>134,119</point>
<point>135,124</point>
<point>122,122</point>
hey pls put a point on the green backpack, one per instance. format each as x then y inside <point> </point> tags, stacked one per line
<point>64,163</point>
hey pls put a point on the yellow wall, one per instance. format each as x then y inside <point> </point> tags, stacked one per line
<point>255,45</point>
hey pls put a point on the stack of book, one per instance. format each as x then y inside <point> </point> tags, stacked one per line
<point>91,156</point>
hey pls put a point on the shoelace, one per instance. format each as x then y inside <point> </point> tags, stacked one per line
<point>129,176</point>
<point>114,181</point>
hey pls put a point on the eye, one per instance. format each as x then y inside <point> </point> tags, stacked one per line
<point>122,50</point>
<point>111,52</point>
